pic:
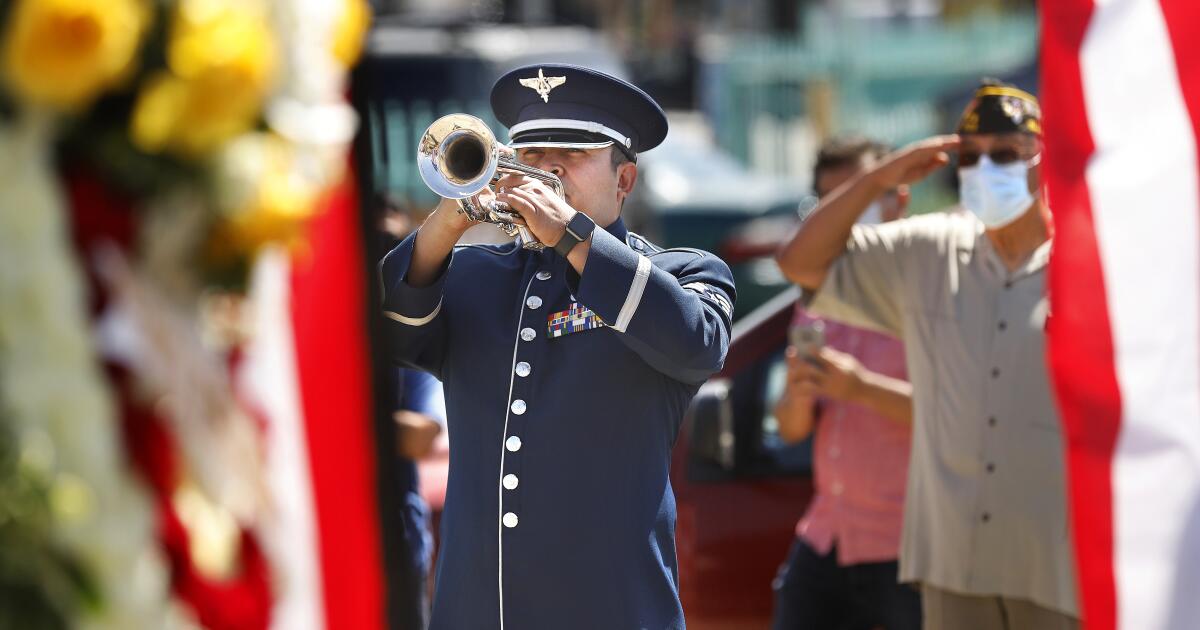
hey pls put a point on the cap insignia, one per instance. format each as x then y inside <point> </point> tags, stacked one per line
<point>543,84</point>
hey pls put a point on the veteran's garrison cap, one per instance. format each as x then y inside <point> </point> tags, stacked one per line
<point>999,107</point>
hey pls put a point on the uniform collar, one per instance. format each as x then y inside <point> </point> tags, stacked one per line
<point>617,229</point>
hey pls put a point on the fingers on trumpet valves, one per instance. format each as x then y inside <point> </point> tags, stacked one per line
<point>498,208</point>
<point>471,208</point>
<point>504,214</point>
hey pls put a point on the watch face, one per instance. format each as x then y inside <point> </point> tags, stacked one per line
<point>581,225</point>
<point>578,229</point>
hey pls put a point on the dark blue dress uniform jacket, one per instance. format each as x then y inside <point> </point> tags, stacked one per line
<point>559,511</point>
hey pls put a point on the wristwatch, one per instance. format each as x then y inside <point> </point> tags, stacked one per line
<point>579,228</point>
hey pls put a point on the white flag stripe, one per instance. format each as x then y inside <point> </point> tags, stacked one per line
<point>290,536</point>
<point>1143,184</point>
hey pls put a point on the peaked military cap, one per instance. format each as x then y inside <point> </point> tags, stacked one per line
<point>561,105</point>
<point>999,107</point>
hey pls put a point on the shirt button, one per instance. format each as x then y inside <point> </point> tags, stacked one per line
<point>834,452</point>
<point>533,302</point>
<point>1008,285</point>
<point>510,520</point>
<point>995,372</point>
<point>528,334</point>
<point>518,406</point>
<point>985,517</point>
<point>992,421</point>
<point>837,487</point>
<point>991,468</point>
<point>523,369</point>
<point>543,275</point>
<point>513,444</point>
<point>1002,325</point>
<point>510,481</point>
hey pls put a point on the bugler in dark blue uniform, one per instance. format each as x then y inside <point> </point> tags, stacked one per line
<point>564,394</point>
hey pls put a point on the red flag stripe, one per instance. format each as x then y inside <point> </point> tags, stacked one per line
<point>1079,338</point>
<point>333,372</point>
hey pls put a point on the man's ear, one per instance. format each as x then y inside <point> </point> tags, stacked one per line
<point>627,174</point>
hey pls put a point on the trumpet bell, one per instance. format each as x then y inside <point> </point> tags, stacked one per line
<point>457,156</point>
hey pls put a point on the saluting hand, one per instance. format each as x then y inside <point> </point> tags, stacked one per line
<point>914,162</point>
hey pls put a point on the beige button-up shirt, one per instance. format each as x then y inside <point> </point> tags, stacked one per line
<point>986,508</point>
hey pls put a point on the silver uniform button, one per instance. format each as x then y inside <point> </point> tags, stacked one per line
<point>518,406</point>
<point>543,275</point>
<point>510,481</point>
<point>513,444</point>
<point>534,302</point>
<point>528,334</point>
<point>523,369</point>
<point>510,519</point>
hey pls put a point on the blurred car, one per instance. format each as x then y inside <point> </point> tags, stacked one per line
<point>739,488</point>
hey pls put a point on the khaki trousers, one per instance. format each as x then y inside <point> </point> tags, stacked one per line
<point>947,610</point>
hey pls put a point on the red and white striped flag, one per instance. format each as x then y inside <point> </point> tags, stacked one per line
<point>1121,96</point>
<point>309,369</point>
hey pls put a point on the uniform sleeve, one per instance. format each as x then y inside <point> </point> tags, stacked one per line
<point>415,323</point>
<point>677,321</point>
<point>423,394</point>
<point>863,286</point>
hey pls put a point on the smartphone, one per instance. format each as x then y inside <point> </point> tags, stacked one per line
<point>807,338</point>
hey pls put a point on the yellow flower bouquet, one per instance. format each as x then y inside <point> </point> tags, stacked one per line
<point>144,132</point>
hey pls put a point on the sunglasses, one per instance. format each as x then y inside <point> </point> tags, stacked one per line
<point>999,157</point>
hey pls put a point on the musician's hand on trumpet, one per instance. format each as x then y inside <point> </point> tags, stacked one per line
<point>537,206</point>
<point>450,214</point>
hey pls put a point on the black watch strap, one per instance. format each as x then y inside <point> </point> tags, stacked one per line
<point>579,228</point>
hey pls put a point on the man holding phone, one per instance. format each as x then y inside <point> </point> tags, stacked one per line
<point>847,384</point>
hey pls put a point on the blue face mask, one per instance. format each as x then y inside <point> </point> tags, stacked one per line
<point>997,194</point>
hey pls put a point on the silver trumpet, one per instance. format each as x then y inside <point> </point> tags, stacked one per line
<point>458,157</point>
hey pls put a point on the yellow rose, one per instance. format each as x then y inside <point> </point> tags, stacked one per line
<point>193,117</point>
<point>65,53</point>
<point>221,59</point>
<point>349,31</point>
<point>267,194</point>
